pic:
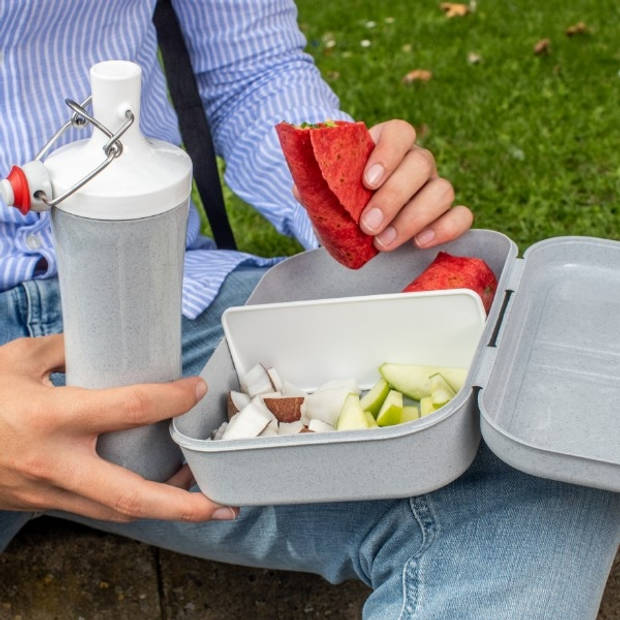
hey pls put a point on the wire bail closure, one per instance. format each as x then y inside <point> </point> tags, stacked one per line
<point>112,149</point>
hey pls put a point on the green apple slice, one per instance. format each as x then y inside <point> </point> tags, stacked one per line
<point>410,412</point>
<point>441,391</point>
<point>454,376</point>
<point>391,410</point>
<point>372,423</point>
<point>414,380</point>
<point>352,416</point>
<point>373,399</point>
<point>426,406</point>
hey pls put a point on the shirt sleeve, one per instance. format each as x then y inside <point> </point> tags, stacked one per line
<point>252,73</point>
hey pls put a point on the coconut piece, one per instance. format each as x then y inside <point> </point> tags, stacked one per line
<point>285,408</point>
<point>318,426</point>
<point>324,404</point>
<point>271,429</point>
<point>275,379</point>
<point>219,431</point>
<point>260,403</point>
<point>290,389</point>
<point>235,402</point>
<point>249,422</point>
<point>256,381</point>
<point>290,428</point>
<point>275,394</point>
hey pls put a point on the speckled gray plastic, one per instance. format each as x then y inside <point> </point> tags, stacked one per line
<point>550,403</point>
<point>397,461</point>
<point>120,283</point>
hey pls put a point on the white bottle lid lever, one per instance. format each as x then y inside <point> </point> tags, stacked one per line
<point>148,178</point>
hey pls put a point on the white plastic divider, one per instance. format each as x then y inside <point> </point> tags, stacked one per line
<point>311,342</point>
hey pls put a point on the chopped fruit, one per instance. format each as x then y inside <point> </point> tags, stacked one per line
<point>391,411</point>
<point>373,399</point>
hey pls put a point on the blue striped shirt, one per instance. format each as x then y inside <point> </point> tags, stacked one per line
<point>252,73</point>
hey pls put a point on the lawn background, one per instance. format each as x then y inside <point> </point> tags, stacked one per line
<point>531,143</point>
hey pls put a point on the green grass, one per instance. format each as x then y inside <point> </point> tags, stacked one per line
<point>531,143</point>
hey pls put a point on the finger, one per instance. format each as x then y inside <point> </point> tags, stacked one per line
<point>99,411</point>
<point>449,226</point>
<point>35,357</point>
<point>434,199</point>
<point>183,479</point>
<point>53,498</point>
<point>392,141</point>
<point>296,193</point>
<point>131,495</point>
<point>412,174</point>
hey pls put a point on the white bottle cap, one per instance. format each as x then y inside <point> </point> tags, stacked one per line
<point>149,177</point>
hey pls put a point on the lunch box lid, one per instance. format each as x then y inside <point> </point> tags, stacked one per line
<point>549,378</point>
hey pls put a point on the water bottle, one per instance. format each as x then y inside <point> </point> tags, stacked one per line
<point>119,206</point>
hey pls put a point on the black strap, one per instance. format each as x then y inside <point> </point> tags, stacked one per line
<point>192,121</point>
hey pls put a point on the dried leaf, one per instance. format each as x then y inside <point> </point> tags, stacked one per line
<point>422,131</point>
<point>452,9</point>
<point>417,75</point>
<point>542,47</point>
<point>578,28</point>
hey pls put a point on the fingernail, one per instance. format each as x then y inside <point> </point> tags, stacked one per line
<point>387,236</point>
<point>225,513</point>
<point>201,389</point>
<point>425,237</point>
<point>372,219</point>
<point>374,174</point>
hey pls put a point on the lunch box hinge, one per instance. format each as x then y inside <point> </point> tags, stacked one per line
<point>515,274</point>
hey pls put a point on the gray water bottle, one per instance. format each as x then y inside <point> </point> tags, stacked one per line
<point>119,206</point>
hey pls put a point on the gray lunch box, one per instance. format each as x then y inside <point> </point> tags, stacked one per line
<point>542,386</point>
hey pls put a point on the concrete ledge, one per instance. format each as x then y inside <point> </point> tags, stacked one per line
<point>56,569</point>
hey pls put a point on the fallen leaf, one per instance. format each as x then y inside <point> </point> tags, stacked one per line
<point>417,75</point>
<point>542,47</point>
<point>422,131</point>
<point>578,28</point>
<point>452,9</point>
<point>473,58</point>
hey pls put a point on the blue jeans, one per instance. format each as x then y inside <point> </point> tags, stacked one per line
<point>496,543</point>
